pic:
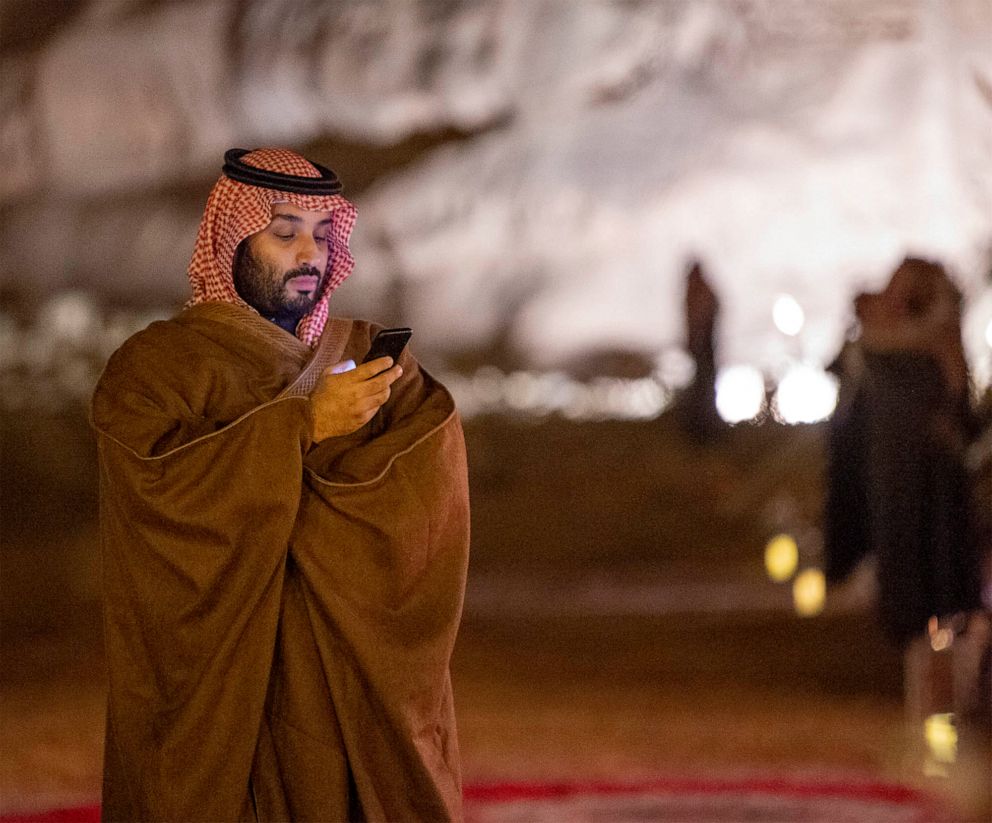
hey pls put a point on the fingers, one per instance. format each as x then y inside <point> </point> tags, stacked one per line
<point>374,385</point>
<point>387,378</point>
<point>358,373</point>
<point>369,406</point>
<point>377,399</point>
<point>344,402</point>
<point>366,371</point>
<point>373,367</point>
<point>371,401</point>
<point>369,394</point>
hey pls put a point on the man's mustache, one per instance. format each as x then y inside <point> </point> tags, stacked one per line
<point>302,271</point>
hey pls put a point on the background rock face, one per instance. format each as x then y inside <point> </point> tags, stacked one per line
<point>531,172</point>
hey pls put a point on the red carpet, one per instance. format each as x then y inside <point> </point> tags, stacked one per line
<point>701,800</point>
<point>667,800</point>
<point>87,814</point>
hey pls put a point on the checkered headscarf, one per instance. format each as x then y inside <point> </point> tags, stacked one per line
<point>236,211</point>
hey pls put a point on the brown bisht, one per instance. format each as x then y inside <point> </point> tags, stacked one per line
<point>279,615</point>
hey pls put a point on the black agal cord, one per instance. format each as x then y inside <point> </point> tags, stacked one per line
<point>326,184</point>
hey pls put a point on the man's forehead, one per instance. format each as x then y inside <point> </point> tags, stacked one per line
<point>288,211</point>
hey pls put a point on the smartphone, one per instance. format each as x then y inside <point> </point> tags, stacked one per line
<point>389,343</point>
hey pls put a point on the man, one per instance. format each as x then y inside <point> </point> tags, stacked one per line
<point>283,583</point>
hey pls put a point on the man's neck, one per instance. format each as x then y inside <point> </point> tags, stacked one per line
<point>286,322</point>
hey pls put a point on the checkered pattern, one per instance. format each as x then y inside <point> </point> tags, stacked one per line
<point>235,211</point>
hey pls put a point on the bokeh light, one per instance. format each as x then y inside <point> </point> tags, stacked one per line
<point>942,738</point>
<point>740,393</point>
<point>809,592</point>
<point>781,557</point>
<point>805,395</point>
<point>788,315</point>
<point>527,394</point>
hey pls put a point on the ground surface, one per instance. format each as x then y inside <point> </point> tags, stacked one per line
<point>618,622</point>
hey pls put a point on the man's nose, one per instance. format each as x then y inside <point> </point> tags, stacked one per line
<point>308,251</point>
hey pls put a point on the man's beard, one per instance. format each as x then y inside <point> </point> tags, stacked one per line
<point>261,287</point>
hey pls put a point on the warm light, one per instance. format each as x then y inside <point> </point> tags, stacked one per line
<point>781,557</point>
<point>740,393</point>
<point>941,637</point>
<point>809,592</point>
<point>805,395</point>
<point>788,315</point>
<point>942,737</point>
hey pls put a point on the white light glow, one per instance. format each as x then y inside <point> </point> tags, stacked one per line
<point>675,368</point>
<point>788,315</point>
<point>988,333</point>
<point>740,393</point>
<point>538,394</point>
<point>70,316</point>
<point>805,395</point>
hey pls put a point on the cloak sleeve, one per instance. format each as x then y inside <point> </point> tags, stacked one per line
<point>200,485</point>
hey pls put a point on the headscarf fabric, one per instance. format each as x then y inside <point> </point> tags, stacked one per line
<point>235,211</point>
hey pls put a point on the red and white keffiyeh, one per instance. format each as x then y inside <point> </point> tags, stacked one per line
<point>236,211</point>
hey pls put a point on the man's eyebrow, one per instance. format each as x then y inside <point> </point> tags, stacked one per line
<point>293,218</point>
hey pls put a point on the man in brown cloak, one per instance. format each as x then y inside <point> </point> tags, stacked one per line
<point>283,581</point>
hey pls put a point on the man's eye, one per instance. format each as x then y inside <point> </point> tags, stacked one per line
<point>321,239</point>
<point>285,236</point>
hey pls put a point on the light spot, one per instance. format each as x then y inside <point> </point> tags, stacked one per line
<point>781,557</point>
<point>740,393</point>
<point>809,592</point>
<point>788,315</point>
<point>942,737</point>
<point>805,395</point>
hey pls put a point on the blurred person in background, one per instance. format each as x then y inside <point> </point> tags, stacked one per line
<point>696,409</point>
<point>898,482</point>
<point>282,583</point>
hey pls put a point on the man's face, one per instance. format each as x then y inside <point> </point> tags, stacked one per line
<point>279,270</point>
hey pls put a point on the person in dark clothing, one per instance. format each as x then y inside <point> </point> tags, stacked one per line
<point>897,484</point>
<point>696,410</point>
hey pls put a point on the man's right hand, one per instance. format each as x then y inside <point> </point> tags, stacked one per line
<point>343,403</point>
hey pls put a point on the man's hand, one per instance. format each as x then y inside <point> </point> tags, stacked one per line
<point>343,403</point>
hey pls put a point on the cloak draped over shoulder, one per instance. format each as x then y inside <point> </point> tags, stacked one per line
<point>279,614</point>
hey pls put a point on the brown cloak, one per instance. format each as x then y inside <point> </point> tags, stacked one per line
<point>279,616</point>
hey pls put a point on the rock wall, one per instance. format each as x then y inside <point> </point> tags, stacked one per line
<point>558,162</point>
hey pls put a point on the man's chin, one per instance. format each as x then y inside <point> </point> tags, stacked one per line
<point>299,303</point>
